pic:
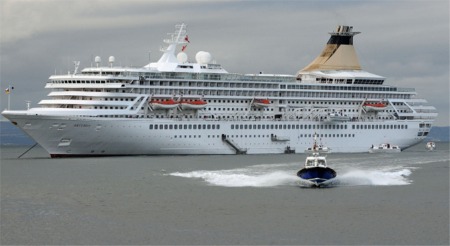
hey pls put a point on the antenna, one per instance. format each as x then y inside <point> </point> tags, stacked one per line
<point>76,64</point>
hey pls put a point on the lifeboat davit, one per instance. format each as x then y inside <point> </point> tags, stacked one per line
<point>261,103</point>
<point>163,103</point>
<point>193,104</point>
<point>375,106</point>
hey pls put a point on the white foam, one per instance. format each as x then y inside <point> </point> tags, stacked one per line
<point>270,175</point>
<point>230,178</point>
<point>387,176</point>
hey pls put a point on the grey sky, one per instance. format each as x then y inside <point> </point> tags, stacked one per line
<point>405,41</point>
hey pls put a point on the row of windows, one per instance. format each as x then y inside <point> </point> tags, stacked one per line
<point>117,99</point>
<point>195,136</point>
<point>214,84</point>
<point>349,81</point>
<point>283,126</point>
<point>239,109</point>
<point>246,101</point>
<point>268,136</point>
<point>223,77</point>
<point>271,93</point>
<point>301,136</point>
<point>268,93</point>
<point>188,136</point>
<point>270,126</point>
<point>368,81</point>
<point>423,125</point>
<point>241,101</point>
<point>86,81</point>
<point>108,107</point>
<point>323,80</point>
<point>322,127</point>
<point>379,127</point>
<point>344,88</point>
<point>239,85</point>
<point>184,126</point>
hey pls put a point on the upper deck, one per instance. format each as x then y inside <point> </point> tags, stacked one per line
<point>177,67</point>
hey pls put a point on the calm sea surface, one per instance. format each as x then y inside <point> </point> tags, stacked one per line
<point>381,199</point>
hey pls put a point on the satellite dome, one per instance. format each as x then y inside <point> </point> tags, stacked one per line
<point>182,57</point>
<point>97,60</point>
<point>203,57</point>
<point>111,60</point>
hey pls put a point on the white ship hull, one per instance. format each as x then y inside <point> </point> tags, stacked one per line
<point>63,137</point>
<point>104,111</point>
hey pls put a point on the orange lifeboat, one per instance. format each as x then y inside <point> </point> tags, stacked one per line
<point>163,103</point>
<point>375,106</point>
<point>193,104</point>
<point>261,103</point>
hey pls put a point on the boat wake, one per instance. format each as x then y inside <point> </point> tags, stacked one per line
<point>271,175</point>
<point>383,177</point>
<point>266,175</point>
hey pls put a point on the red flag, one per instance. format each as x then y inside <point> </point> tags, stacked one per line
<point>183,48</point>
<point>186,39</point>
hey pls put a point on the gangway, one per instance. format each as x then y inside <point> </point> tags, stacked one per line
<point>239,150</point>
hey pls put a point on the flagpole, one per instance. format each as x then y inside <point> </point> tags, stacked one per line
<point>9,96</point>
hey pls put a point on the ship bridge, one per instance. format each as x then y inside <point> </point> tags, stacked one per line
<point>179,63</point>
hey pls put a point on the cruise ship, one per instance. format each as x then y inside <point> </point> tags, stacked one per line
<point>180,107</point>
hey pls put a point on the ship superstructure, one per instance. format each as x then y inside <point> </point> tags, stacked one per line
<point>174,106</point>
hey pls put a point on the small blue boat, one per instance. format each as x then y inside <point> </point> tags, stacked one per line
<point>316,172</point>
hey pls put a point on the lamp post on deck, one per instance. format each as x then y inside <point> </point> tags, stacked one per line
<point>8,92</point>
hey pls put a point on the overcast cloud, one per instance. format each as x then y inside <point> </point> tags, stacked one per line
<point>405,41</point>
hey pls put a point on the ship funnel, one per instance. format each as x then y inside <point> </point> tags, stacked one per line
<point>338,54</point>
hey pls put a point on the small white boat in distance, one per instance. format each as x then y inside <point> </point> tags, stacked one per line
<point>319,148</point>
<point>431,146</point>
<point>385,148</point>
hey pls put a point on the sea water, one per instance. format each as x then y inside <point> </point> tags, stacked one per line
<point>398,198</point>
